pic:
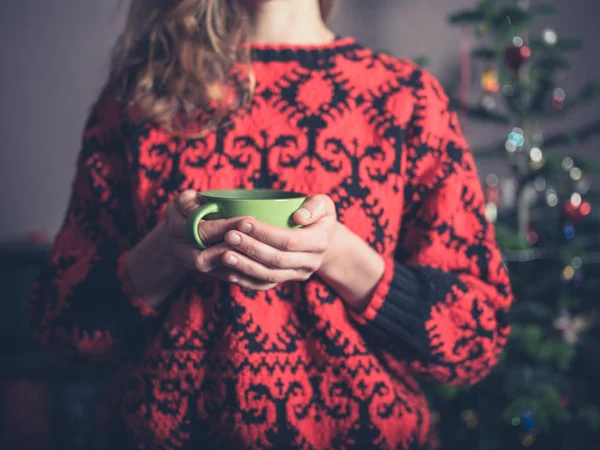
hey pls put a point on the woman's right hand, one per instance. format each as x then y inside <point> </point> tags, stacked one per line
<point>162,259</point>
<point>211,260</point>
<point>185,252</point>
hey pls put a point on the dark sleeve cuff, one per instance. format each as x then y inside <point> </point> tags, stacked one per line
<point>396,315</point>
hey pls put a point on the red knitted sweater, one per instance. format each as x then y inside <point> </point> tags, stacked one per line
<point>292,367</point>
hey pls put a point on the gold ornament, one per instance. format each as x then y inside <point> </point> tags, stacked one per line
<point>490,82</point>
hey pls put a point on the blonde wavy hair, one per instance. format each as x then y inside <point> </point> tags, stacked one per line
<point>176,56</point>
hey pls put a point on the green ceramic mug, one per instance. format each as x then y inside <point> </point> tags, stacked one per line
<point>267,205</point>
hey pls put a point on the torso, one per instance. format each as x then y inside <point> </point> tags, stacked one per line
<point>283,368</point>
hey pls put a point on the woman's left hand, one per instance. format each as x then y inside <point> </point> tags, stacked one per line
<point>264,256</point>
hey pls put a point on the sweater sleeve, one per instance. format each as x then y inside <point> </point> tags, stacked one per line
<point>443,300</point>
<point>82,302</point>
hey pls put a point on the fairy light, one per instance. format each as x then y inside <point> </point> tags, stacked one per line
<point>549,36</point>
<point>528,440</point>
<point>536,155</point>
<point>559,94</point>
<point>540,184</point>
<point>551,197</point>
<point>585,208</point>
<point>576,199</point>
<point>568,273</point>
<point>567,163</point>
<point>575,173</point>
<point>577,262</point>
<point>569,232</point>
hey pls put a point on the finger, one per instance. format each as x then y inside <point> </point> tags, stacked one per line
<point>314,209</point>
<point>312,239</point>
<point>203,261</point>
<point>186,203</point>
<point>253,269</point>
<point>213,231</point>
<point>241,280</point>
<point>270,256</point>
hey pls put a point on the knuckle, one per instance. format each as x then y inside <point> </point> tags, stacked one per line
<point>203,232</point>
<point>261,234</point>
<point>273,278</point>
<point>290,243</point>
<point>250,249</point>
<point>201,265</point>
<point>313,266</point>
<point>279,260</point>
<point>321,245</point>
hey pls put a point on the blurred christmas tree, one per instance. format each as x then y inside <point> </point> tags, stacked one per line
<point>545,393</point>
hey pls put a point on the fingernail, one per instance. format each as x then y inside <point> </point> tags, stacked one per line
<point>233,279</point>
<point>246,228</point>
<point>232,261</point>
<point>304,213</point>
<point>234,239</point>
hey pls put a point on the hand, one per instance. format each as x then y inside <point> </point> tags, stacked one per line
<point>264,255</point>
<point>187,254</point>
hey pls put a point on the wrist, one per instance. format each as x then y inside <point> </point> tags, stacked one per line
<point>352,268</point>
<point>335,249</point>
<point>152,268</point>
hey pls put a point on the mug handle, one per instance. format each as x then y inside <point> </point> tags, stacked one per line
<point>193,222</point>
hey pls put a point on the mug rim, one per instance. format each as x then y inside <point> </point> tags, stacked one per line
<point>213,195</point>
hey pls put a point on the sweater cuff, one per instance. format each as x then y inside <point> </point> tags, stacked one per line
<point>397,312</point>
<point>129,291</point>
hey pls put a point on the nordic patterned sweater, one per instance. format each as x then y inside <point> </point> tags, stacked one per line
<point>293,367</point>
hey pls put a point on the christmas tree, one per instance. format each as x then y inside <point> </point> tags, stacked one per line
<point>545,393</point>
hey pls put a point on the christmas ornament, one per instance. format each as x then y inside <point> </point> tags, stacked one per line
<point>569,233</point>
<point>490,82</point>
<point>532,235</point>
<point>528,440</point>
<point>571,327</point>
<point>516,55</point>
<point>527,420</point>
<point>575,209</point>
<point>558,98</point>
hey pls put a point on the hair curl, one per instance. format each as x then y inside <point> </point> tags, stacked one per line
<point>176,56</point>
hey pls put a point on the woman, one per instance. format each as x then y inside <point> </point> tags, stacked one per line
<point>272,338</point>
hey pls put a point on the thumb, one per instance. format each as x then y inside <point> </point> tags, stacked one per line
<point>314,209</point>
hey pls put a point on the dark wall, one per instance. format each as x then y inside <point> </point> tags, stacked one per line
<point>54,57</point>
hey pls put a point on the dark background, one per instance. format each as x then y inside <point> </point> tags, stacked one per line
<point>54,58</point>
